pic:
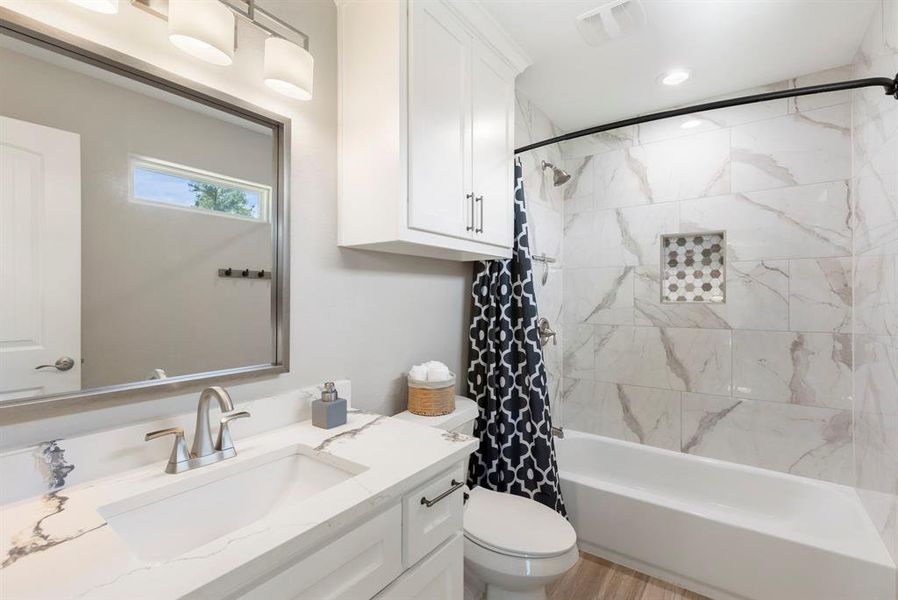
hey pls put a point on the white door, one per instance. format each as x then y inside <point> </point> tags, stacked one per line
<point>493,146</point>
<point>439,121</point>
<point>40,259</point>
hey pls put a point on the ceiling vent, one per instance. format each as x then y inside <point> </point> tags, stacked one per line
<point>611,21</point>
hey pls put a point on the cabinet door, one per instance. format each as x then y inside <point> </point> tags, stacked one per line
<point>356,565</point>
<point>440,576</point>
<point>439,121</point>
<point>493,146</point>
<point>426,527</point>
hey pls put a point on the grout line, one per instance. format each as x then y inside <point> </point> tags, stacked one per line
<point>746,329</point>
<point>683,393</point>
<point>732,192</point>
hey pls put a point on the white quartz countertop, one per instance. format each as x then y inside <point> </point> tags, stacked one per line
<point>59,546</point>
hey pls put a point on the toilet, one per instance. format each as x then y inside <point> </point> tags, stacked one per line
<point>514,561</point>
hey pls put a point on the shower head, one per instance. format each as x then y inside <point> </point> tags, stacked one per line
<point>559,176</point>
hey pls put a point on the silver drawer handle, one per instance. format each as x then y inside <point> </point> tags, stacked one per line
<point>428,503</point>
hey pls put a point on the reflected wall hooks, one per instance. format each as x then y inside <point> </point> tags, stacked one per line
<point>231,273</point>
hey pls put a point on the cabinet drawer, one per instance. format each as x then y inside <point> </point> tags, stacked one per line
<point>430,519</point>
<point>440,576</point>
<point>354,566</point>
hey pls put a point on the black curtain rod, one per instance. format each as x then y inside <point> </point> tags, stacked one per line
<point>890,86</point>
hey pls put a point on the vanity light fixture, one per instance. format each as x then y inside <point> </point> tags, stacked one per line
<point>288,68</point>
<point>674,77</point>
<point>203,28</point>
<point>691,123</point>
<point>207,29</point>
<point>107,7</point>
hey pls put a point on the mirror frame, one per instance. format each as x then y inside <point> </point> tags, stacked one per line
<point>35,32</point>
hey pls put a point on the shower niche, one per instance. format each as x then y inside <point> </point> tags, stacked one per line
<point>693,267</point>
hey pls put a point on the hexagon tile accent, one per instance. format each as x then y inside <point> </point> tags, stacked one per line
<point>692,267</point>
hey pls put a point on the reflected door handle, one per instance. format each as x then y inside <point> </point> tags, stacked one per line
<point>63,364</point>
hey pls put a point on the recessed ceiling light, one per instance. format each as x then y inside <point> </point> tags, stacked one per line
<point>691,123</point>
<point>674,77</point>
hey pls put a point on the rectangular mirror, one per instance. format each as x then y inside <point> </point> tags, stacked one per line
<point>142,227</point>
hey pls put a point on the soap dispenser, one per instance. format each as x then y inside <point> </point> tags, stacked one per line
<point>330,410</point>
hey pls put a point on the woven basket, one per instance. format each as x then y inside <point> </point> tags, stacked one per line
<point>431,398</point>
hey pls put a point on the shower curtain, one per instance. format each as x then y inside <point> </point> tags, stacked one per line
<point>507,377</point>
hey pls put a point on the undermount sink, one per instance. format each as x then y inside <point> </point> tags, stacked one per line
<point>166,522</point>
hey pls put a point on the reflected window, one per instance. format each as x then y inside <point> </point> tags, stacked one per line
<point>179,186</point>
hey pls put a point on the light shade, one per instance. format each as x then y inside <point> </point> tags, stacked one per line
<point>107,7</point>
<point>288,68</point>
<point>202,28</point>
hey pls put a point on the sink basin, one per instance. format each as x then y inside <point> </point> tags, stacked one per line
<point>213,501</point>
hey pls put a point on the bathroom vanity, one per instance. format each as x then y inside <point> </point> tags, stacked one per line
<point>371,509</point>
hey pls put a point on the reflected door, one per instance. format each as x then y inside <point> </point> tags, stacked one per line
<point>40,260</point>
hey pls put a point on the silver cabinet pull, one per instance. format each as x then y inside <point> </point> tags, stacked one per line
<point>480,200</point>
<point>62,364</point>
<point>428,503</point>
<point>470,197</point>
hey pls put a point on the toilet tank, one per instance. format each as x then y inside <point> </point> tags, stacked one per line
<point>461,420</point>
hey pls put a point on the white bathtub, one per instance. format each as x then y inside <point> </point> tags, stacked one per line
<point>720,529</point>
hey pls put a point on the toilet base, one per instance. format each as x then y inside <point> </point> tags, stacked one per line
<point>494,592</point>
<point>515,577</point>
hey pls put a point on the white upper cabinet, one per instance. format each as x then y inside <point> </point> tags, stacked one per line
<point>439,121</point>
<point>493,135</point>
<point>426,129</point>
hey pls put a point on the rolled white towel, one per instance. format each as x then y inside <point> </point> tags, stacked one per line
<point>418,373</point>
<point>438,373</point>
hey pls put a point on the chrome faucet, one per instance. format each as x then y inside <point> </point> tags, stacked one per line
<point>202,436</point>
<point>204,451</point>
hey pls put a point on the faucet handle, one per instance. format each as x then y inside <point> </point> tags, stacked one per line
<point>225,441</point>
<point>179,451</point>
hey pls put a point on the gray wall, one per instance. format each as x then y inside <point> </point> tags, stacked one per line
<point>150,296</point>
<point>355,314</point>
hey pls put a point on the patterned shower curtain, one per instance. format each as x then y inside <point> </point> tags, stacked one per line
<point>507,377</point>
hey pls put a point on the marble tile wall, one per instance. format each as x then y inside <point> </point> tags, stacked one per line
<point>765,378</point>
<point>875,281</point>
<point>544,218</point>
<point>797,370</point>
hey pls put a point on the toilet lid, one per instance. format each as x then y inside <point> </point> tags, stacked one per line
<point>515,525</point>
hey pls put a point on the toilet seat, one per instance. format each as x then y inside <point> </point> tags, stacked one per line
<point>515,526</point>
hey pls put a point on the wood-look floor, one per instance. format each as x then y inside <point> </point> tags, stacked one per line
<point>593,578</point>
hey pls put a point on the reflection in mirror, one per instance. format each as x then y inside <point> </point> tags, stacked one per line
<point>119,204</point>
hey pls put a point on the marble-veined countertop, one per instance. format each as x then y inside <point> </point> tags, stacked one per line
<point>59,546</point>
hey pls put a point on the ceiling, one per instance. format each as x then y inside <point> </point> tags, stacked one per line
<point>728,45</point>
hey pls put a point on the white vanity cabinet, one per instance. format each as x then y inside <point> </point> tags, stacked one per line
<point>410,551</point>
<point>426,129</point>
